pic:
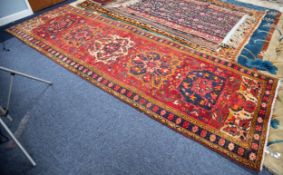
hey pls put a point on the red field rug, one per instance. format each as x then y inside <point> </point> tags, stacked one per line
<point>219,104</point>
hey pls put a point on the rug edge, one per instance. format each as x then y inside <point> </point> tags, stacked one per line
<point>269,121</point>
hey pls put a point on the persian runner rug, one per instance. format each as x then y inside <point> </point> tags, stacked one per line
<point>201,22</point>
<point>220,104</point>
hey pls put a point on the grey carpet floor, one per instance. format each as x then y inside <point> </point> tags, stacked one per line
<point>74,128</point>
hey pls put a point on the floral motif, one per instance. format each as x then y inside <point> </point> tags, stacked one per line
<point>252,156</point>
<point>239,102</point>
<point>58,24</point>
<point>243,104</point>
<point>33,23</point>
<point>110,48</point>
<point>195,129</point>
<point>178,121</point>
<point>212,137</point>
<point>203,133</point>
<point>221,142</point>
<point>231,146</point>
<point>241,151</point>
<point>237,124</point>
<point>153,67</point>
<point>255,146</point>
<point>256,137</point>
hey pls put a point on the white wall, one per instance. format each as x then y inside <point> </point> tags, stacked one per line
<point>12,10</point>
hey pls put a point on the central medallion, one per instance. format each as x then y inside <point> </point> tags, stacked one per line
<point>110,48</point>
<point>202,88</point>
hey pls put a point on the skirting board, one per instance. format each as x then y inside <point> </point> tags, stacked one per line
<point>15,16</point>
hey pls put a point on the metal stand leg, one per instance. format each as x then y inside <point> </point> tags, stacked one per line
<point>5,111</point>
<point>17,142</point>
<point>10,90</point>
<point>24,75</point>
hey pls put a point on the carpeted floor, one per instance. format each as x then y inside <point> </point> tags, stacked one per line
<point>67,131</point>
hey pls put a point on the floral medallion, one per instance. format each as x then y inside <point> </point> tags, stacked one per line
<point>110,48</point>
<point>153,67</point>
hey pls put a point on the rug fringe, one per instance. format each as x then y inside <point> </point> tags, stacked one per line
<point>230,36</point>
<point>236,35</point>
<point>122,3</point>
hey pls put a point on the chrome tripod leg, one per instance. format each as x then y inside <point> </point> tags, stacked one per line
<point>17,142</point>
<point>24,75</point>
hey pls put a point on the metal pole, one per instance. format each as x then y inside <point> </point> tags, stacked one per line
<point>10,92</point>
<point>24,75</point>
<point>17,142</point>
